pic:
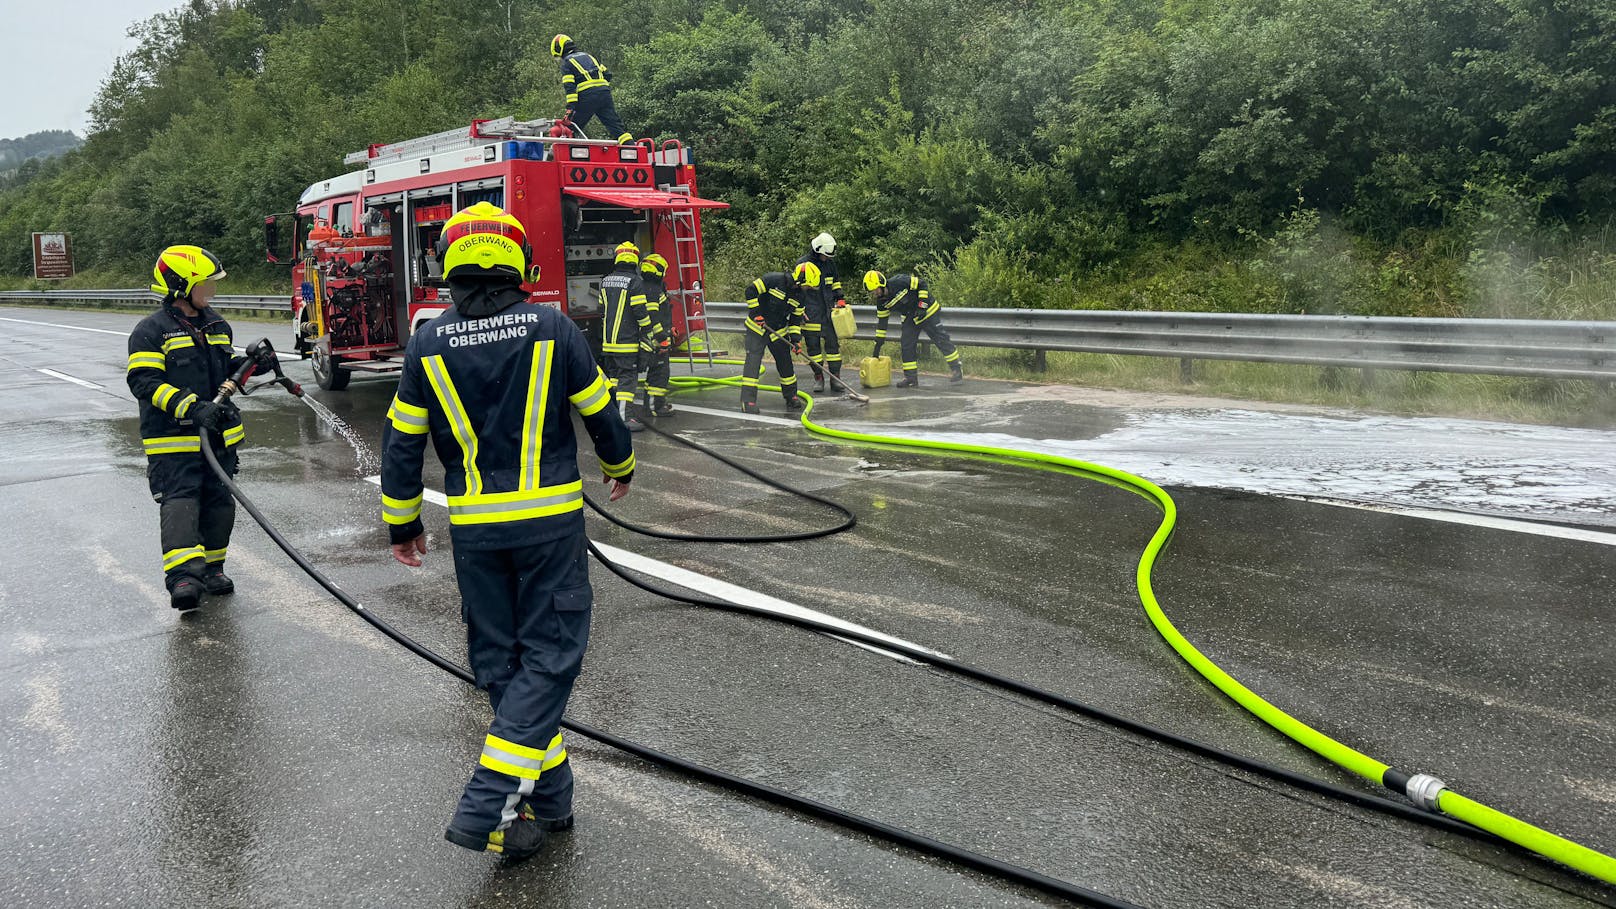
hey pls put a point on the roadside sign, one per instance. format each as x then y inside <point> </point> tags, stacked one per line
<point>53,255</point>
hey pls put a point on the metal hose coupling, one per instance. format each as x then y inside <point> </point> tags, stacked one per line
<point>1423,790</point>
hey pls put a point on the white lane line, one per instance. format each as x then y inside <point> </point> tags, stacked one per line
<point>1474,520</point>
<point>721,589</point>
<point>67,378</point>
<point>736,415</point>
<point>104,331</point>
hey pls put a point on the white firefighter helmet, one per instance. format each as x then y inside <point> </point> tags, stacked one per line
<point>824,244</point>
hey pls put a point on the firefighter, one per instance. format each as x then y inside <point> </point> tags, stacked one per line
<point>178,358</point>
<point>818,335</point>
<point>625,330</point>
<point>656,348</point>
<point>912,302</point>
<point>588,87</point>
<point>774,319</point>
<point>490,382</point>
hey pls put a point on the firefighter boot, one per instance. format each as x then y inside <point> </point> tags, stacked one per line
<point>216,582</point>
<point>554,825</point>
<point>911,379</point>
<point>819,380</point>
<point>185,593</point>
<point>793,403</point>
<point>749,407</point>
<point>520,841</point>
<point>631,417</point>
<point>956,373</point>
<point>662,408</point>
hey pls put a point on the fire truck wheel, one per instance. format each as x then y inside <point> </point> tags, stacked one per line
<point>328,372</point>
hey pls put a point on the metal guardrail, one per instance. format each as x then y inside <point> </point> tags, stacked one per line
<point>1505,347</point>
<point>280,303</point>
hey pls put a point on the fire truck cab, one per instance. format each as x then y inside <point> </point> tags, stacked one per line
<point>365,273</point>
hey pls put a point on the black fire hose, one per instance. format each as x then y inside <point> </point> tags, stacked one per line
<point>963,857</point>
<point>848,520</point>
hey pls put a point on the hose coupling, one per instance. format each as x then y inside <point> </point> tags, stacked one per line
<point>1423,789</point>
<point>226,390</point>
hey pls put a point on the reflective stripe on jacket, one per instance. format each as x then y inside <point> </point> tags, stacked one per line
<point>495,395</point>
<point>175,362</point>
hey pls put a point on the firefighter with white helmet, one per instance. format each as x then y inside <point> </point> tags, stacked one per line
<point>493,383</point>
<point>178,358</point>
<point>588,85</point>
<point>657,347</point>
<point>625,330</point>
<point>818,335</point>
<point>910,299</point>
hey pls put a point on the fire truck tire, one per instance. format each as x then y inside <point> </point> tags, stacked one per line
<point>328,371</point>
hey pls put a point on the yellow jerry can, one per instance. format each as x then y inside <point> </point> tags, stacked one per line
<point>875,372</point>
<point>841,318</point>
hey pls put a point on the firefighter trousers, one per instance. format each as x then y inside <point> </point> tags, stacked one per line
<point>195,511</point>
<point>820,341</point>
<point>527,624</point>
<point>597,102</point>
<point>657,371</point>
<point>909,344</point>
<point>756,344</point>
<point>623,371</point>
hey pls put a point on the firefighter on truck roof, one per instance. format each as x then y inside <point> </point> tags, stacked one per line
<point>909,298</point>
<point>178,358</point>
<point>774,320</point>
<point>492,383</point>
<point>588,85</point>
<point>625,330</point>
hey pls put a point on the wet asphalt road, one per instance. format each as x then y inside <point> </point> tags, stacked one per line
<point>274,750</point>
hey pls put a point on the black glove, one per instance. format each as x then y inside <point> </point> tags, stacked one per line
<point>211,416</point>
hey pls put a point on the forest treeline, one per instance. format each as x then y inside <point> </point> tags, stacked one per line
<point>1430,157</point>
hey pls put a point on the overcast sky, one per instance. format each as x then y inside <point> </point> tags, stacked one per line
<point>54,55</point>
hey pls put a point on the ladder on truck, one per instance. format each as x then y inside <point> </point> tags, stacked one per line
<point>687,260</point>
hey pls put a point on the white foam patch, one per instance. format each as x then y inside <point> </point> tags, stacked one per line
<point>1500,469</point>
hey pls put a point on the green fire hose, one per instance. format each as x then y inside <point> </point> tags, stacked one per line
<point>1424,790</point>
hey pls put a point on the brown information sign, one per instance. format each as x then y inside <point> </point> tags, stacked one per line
<point>53,255</point>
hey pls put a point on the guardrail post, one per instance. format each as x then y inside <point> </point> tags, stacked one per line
<point>1186,371</point>
<point>1040,360</point>
<point>1366,379</point>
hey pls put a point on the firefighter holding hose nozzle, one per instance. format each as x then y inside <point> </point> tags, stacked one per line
<point>179,357</point>
<point>492,383</point>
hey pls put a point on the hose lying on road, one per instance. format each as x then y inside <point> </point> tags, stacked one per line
<point>959,856</point>
<point>1423,790</point>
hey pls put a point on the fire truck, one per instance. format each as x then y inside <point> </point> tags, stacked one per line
<point>365,272</point>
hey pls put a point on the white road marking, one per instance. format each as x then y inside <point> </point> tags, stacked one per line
<point>1474,520</point>
<point>67,378</point>
<point>737,415</point>
<point>45,714</point>
<point>721,589</point>
<point>104,331</point>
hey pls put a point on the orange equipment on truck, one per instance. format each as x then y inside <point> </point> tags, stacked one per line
<point>360,245</point>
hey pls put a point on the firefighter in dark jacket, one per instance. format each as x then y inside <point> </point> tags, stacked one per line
<point>588,85</point>
<point>493,383</point>
<point>774,320</point>
<point>625,330</point>
<point>656,348</point>
<point>818,335</point>
<point>908,297</point>
<point>178,358</point>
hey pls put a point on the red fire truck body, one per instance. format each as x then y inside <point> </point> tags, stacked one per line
<point>365,270</point>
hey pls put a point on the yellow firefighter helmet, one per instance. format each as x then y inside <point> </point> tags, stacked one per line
<point>180,269</point>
